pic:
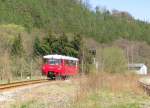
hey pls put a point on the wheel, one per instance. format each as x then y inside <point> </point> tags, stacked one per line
<point>51,76</point>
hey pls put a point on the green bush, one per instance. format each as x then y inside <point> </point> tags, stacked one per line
<point>114,60</point>
<point>17,46</point>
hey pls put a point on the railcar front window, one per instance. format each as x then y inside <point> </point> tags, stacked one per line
<point>54,61</point>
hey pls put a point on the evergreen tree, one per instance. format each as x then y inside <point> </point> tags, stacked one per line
<point>48,44</point>
<point>60,45</point>
<point>77,44</point>
<point>17,46</point>
<point>37,47</point>
<point>64,44</point>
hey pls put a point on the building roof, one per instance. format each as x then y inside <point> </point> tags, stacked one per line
<point>60,57</point>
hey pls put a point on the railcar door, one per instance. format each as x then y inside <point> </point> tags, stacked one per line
<point>72,66</point>
<point>67,67</point>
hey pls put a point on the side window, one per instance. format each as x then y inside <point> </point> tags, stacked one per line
<point>70,63</point>
<point>73,63</point>
<point>66,62</point>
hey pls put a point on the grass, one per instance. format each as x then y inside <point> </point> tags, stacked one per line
<point>94,91</point>
<point>111,91</point>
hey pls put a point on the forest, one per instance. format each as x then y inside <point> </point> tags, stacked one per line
<point>72,16</point>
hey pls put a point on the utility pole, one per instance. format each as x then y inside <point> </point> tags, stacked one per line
<point>93,52</point>
<point>127,51</point>
<point>31,68</point>
<point>132,55</point>
<point>82,61</point>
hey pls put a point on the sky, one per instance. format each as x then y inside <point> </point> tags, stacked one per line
<point>139,9</point>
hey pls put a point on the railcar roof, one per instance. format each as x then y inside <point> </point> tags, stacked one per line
<point>60,57</point>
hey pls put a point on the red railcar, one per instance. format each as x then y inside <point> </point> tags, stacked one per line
<point>59,66</point>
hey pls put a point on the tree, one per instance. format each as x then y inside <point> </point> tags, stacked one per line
<point>63,44</point>
<point>37,47</point>
<point>46,46</point>
<point>114,60</point>
<point>52,45</point>
<point>77,44</point>
<point>17,46</point>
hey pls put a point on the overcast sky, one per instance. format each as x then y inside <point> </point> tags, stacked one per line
<point>140,9</point>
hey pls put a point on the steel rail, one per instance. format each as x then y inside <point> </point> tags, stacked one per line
<point>21,83</point>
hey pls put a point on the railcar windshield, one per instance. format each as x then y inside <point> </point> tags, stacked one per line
<point>53,61</point>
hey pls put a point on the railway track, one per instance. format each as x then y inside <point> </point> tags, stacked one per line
<point>22,83</point>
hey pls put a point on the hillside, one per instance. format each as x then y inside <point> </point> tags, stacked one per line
<point>73,17</point>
